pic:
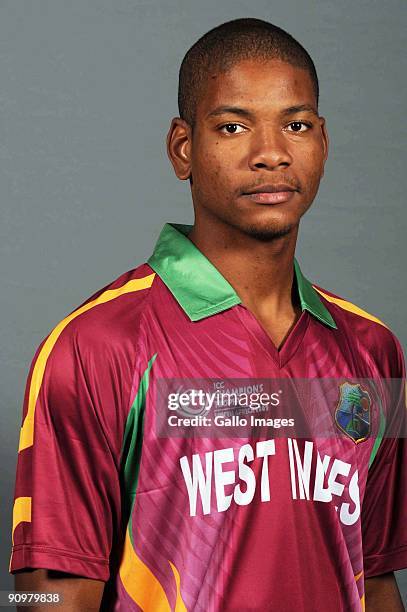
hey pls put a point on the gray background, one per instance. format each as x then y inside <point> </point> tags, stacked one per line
<point>87,92</point>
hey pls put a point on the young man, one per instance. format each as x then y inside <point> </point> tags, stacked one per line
<point>209,524</point>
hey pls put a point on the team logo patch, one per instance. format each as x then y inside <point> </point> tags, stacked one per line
<point>353,411</point>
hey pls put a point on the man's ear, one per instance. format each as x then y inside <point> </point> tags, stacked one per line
<point>325,140</point>
<point>179,142</point>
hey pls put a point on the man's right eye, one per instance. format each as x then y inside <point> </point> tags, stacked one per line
<point>230,125</point>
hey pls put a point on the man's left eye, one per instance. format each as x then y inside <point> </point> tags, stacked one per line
<point>298,125</point>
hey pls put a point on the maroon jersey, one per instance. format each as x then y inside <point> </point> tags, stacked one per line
<point>204,523</point>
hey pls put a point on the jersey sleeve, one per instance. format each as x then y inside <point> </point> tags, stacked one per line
<point>384,509</point>
<point>67,505</point>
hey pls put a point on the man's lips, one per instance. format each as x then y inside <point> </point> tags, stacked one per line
<point>271,193</point>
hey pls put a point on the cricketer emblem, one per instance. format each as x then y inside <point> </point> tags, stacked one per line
<point>353,412</point>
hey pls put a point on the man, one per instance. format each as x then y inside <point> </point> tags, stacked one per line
<point>164,521</point>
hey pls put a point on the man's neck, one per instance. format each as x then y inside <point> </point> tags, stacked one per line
<point>261,273</point>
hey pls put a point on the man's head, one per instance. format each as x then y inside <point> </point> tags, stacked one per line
<point>254,66</point>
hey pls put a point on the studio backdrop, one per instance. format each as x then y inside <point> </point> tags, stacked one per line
<point>88,90</point>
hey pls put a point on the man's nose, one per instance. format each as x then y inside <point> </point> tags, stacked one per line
<point>269,149</point>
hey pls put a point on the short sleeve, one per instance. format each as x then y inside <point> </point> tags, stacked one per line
<point>67,504</point>
<point>384,509</point>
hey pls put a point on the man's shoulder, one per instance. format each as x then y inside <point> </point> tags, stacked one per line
<point>108,318</point>
<point>363,328</point>
<point>130,288</point>
<point>91,354</point>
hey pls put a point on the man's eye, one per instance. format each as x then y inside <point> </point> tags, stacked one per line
<point>297,125</point>
<point>233,127</point>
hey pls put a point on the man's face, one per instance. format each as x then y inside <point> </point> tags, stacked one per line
<point>267,142</point>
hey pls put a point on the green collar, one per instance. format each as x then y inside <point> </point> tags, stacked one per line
<point>200,288</point>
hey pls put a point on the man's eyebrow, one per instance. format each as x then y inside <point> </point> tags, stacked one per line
<point>230,110</point>
<point>291,110</point>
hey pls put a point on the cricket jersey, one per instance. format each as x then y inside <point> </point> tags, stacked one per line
<point>205,523</point>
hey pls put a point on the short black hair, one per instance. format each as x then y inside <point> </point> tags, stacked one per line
<point>230,42</point>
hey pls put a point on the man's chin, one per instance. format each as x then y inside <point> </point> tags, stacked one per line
<point>267,233</point>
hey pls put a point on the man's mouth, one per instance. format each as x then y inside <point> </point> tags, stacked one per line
<point>271,193</point>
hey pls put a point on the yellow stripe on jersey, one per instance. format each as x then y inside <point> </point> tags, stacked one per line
<point>349,306</point>
<point>139,581</point>
<point>21,512</point>
<point>143,586</point>
<point>179,603</point>
<point>362,599</point>
<point>27,430</point>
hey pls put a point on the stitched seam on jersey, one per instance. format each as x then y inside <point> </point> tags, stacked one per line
<point>132,396</point>
<point>140,336</point>
<point>59,551</point>
<point>143,382</point>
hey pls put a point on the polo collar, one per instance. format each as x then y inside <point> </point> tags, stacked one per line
<point>199,287</point>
